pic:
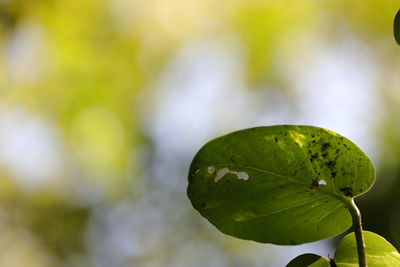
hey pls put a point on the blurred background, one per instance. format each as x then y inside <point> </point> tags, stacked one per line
<point>103,104</point>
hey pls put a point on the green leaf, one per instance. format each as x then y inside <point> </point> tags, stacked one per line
<point>396,27</point>
<point>280,184</point>
<point>379,252</point>
<point>309,259</point>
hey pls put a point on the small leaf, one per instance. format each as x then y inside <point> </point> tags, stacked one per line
<point>280,184</point>
<point>396,27</point>
<point>379,252</point>
<point>309,259</point>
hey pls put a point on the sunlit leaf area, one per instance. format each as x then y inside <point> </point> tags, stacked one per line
<point>103,104</point>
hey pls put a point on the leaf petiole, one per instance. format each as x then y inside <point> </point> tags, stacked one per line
<point>357,228</point>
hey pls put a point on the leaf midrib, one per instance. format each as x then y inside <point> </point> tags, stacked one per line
<point>345,200</point>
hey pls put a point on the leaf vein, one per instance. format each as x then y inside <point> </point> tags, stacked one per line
<point>320,219</point>
<point>285,209</point>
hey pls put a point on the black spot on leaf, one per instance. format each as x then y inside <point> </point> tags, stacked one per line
<point>314,183</point>
<point>325,146</point>
<point>330,164</point>
<point>313,157</point>
<point>347,191</point>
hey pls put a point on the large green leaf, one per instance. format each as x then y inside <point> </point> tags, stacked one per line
<point>380,253</point>
<point>279,184</point>
<point>309,260</point>
<point>396,27</point>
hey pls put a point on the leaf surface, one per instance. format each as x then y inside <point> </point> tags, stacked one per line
<point>396,27</point>
<point>380,253</point>
<point>280,184</point>
<point>311,260</point>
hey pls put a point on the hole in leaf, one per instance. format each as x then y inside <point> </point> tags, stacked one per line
<point>321,182</point>
<point>222,172</point>
<point>242,176</point>
<point>211,169</point>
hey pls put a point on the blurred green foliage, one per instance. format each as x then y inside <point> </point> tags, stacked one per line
<point>85,73</point>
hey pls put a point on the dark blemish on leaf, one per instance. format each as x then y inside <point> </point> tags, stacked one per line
<point>330,164</point>
<point>333,174</point>
<point>276,139</point>
<point>295,172</point>
<point>292,242</point>
<point>347,191</point>
<point>282,186</point>
<point>337,150</point>
<point>326,201</point>
<point>305,221</point>
<point>313,141</point>
<point>313,157</point>
<point>325,146</point>
<point>313,135</point>
<point>314,183</point>
<point>203,205</point>
<point>325,154</point>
